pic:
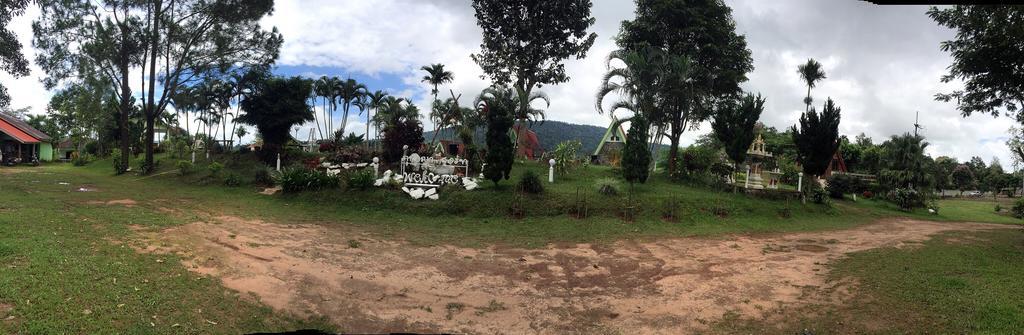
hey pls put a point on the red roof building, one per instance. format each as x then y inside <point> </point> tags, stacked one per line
<point>20,142</point>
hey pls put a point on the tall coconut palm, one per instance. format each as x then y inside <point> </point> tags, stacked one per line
<point>347,92</point>
<point>375,100</point>
<point>811,72</point>
<point>436,76</point>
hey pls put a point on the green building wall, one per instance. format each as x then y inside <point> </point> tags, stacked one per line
<point>45,152</point>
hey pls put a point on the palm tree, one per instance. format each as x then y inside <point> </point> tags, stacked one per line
<point>375,101</point>
<point>811,72</point>
<point>436,76</point>
<point>348,92</point>
<point>635,84</point>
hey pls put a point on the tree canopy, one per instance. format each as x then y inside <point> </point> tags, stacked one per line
<point>702,31</point>
<point>988,55</point>
<point>11,59</point>
<point>734,126</point>
<point>525,42</point>
<point>817,138</point>
<point>274,106</point>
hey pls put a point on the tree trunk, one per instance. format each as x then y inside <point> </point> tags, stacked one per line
<point>126,93</point>
<point>808,102</point>
<point>151,112</point>
<point>673,152</point>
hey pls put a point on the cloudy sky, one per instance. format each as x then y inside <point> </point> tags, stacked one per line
<point>883,62</point>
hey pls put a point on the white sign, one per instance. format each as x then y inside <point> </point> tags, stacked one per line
<point>427,171</point>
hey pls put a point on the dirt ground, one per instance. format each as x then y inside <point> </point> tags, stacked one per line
<point>667,286</point>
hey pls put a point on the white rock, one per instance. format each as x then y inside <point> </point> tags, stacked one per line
<point>416,193</point>
<point>432,197</point>
<point>430,192</point>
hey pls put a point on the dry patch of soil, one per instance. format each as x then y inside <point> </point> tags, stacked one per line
<point>121,202</point>
<point>668,286</point>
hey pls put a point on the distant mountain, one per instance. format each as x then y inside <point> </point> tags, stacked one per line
<point>549,133</point>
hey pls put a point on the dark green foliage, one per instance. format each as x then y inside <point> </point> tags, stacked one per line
<point>262,176</point>
<point>906,198</point>
<point>119,161</point>
<point>983,59</point>
<point>294,180</point>
<point>1018,209</point>
<point>184,167</point>
<point>525,41</point>
<point>398,135</point>
<point>498,105</point>
<point>840,184</point>
<point>962,178</point>
<point>215,168</point>
<point>273,107</point>
<point>232,180</point>
<point>607,186</point>
<point>11,59</point>
<point>360,180</point>
<point>817,138</point>
<point>82,159</point>
<point>704,33</point>
<point>549,133</point>
<point>905,164</point>
<point>530,182</point>
<point>636,156</point>
<point>734,126</point>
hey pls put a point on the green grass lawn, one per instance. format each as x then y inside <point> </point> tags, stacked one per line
<point>62,270</point>
<point>956,283</point>
<point>481,216</point>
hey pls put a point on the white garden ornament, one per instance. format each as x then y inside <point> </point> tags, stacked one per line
<point>421,176</point>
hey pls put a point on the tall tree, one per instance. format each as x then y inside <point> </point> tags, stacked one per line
<point>172,43</point>
<point>817,138</point>
<point>811,72</point>
<point>83,41</point>
<point>273,107</point>
<point>734,126</point>
<point>376,101</point>
<point>704,32</point>
<point>11,59</point>
<point>636,156</point>
<point>498,105</point>
<point>525,42</point>
<point>436,76</point>
<point>987,57</point>
<point>963,178</point>
<point>636,85</point>
<point>905,163</point>
<point>348,92</point>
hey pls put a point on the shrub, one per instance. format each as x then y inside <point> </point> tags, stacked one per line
<point>360,180</point>
<point>565,155</point>
<point>529,182</point>
<point>184,167</point>
<point>215,168</point>
<point>868,194</point>
<point>906,198</point>
<point>607,186</point>
<point>816,193</point>
<point>1018,209</point>
<point>840,184</point>
<point>82,159</point>
<point>636,157</point>
<point>263,176</point>
<point>233,180</point>
<point>998,208</point>
<point>115,155</point>
<point>294,180</point>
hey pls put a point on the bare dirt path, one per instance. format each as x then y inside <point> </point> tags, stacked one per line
<point>662,287</point>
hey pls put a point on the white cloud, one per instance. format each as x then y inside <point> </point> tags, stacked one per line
<point>883,62</point>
